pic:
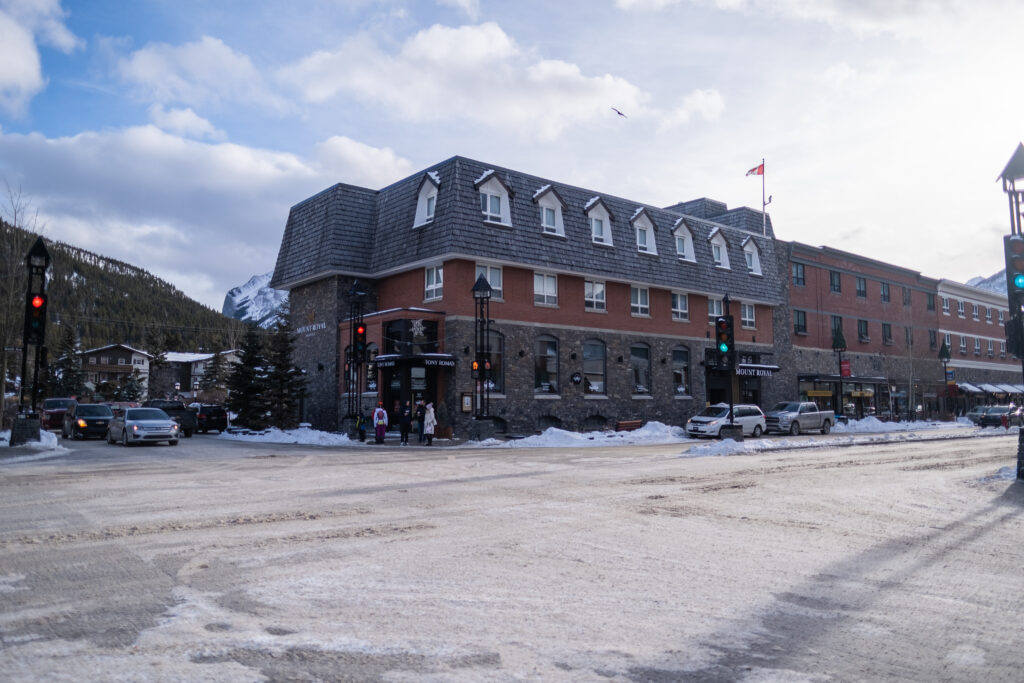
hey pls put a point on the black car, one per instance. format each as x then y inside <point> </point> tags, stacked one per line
<point>993,417</point>
<point>211,417</point>
<point>83,420</point>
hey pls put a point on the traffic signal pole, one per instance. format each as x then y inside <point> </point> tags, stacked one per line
<point>1013,247</point>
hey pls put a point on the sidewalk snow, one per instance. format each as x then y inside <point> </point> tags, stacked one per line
<point>47,446</point>
<point>872,425</point>
<point>552,437</point>
<point>302,435</point>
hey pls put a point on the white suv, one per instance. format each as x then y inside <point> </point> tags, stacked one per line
<point>710,420</point>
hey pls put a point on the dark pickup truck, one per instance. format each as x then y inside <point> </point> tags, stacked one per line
<point>185,417</point>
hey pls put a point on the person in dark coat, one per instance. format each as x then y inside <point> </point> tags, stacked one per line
<point>405,422</point>
<point>421,411</point>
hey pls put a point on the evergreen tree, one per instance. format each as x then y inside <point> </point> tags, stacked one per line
<point>66,375</point>
<point>247,382</point>
<point>213,373</point>
<point>285,383</point>
<point>161,375</point>
<point>131,388</point>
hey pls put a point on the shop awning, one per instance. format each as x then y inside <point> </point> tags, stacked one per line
<point>1019,387</point>
<point>968,388</point>
<point>1009,388</point>
<point>756,370</point>
<point>990,389</point>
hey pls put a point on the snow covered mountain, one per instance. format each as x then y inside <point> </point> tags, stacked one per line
<point>994,283</point>
<point>255,301</point>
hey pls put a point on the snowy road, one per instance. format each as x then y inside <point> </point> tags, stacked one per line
<point>230,561</point>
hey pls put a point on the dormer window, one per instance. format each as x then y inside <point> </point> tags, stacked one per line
<point>719,249</point>
<point>684,241</point>
<point>644,228</point>
<point>551,208</point>
<point>426,202</point>
<point>495,199</point>
<point>600,221</point>
<point>752,255</point>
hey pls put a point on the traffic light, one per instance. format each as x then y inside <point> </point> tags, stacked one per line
<point>1013,247</point>
<point>35,319</point>
<point>476,369</point>
<point>360,343</point>
<point>725,344</point>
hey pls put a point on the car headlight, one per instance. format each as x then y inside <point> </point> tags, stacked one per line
<point>712,423</point>
<point>81,423</point>
<point>135,428</point>
<point>175,426</point>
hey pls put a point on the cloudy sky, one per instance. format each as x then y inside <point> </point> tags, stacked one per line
<point>176,134</point>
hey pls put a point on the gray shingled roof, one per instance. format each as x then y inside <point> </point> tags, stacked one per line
<point>357,231</point>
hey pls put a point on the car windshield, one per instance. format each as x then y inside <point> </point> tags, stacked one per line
<point>145,414</point>
<point>998,410</point>
<point>715,411</point>
<point>93,411</point>
<point>55,403</point>
<point>786,407</point>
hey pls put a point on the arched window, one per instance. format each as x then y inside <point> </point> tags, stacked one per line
<point>594,367</point>
<point>545,367</point>
<point>497,372</point>
<point>681,370</point>
<point>640,364</point>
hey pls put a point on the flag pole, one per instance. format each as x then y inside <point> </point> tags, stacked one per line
<point>764,205</point>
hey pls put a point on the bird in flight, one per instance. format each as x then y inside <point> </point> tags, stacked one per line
<point>619,113</point>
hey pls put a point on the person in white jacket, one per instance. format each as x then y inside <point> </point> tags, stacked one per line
<point>380,422</point>
<point>429,422</point>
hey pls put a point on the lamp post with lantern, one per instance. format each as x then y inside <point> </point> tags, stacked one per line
<point>482,292</point>
<point>1013,247</point>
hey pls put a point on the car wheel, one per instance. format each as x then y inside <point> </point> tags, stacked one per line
<point>172,442</point>
<point>110,437</point>
<point>826,427</point>
<point>124,438</point>
<point>757,432</point>
<point>794,429</point>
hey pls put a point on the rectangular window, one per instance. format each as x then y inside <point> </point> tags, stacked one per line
<point>597,231</point>
<point>798,274</point>
<point>493,276</point>
<point>988,314</point>
<point>837,323</point>
<point>834,282</point>
<point>862,288</point>
<point>1001,317</point>
<point>886,333</point>
<point>948,340</point>
<point>906,296</point>
<point>977,346</point>
<point>545,289</point>
<point>974,311</point>
<point>749,256</point>
<point>931,301</point>
<point>716,254</point>
<point>431,201</point>
<point>945,305</point>
<point>682,246</point>
<point>862,331</point>
<point>122,361</point>
<point>933,340</point>
<point>885,292</point>
<point>639,301</point>
<point>1002,349</point>
<point>680,306</point>
<point>908,337</point>
<point>963,344</point>
<point>800,322</point>
<point>547,219</point>
<point>714,309</point>
<point>490,206</point>
<point>92,360</point>
<point>642,240</point>
<point>434,283</point>
<point>960,308</point>
<point>747,315</point>
<point>991,348</point>
<point>593,296</point>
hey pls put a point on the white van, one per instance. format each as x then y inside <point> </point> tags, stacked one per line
<point>710,420</point>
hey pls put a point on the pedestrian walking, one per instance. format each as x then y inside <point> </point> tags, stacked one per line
<point>429,422</point>
<point>405,422</point>
<point>421,411</point>
<point>380,422</point>
<point>361,425</point>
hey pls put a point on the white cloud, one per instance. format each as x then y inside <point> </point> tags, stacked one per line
<point>184,122</point>
<point>471,72</point>
<point>707,104</point>
<point>21,23</point>
<point>44,19</point>
<point>354,162</point>
<point>200,73</point>
<point>470,7</point>
<point>646,5</point>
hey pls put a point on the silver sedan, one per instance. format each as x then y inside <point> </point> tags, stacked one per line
<point>141,425</point>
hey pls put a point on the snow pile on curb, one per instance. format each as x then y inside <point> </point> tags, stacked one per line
<point>552,437</point>
<point>47,447</point>
<point>302,435</point>
<point>872,425</point>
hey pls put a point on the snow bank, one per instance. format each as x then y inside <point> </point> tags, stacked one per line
<point>650,433</point>
<point>47,447</point>
<point>872,425</point>
<point>302,435</point>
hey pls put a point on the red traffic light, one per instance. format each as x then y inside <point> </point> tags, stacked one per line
<point>38,301</point>
<point>361,330</point>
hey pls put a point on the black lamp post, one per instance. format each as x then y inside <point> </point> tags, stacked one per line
<point>839,345</point>
<point>1013,173</point>
<point>482,364</point>
<point>37,261</point>
<point>353,359</point>
<point>944,357</point>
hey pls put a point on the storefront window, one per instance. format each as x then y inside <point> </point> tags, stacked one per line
<point>545,369</point>
<point>594,367</point>
<point>371,368</point>
<point>681,370</point>
<point>640,361</point>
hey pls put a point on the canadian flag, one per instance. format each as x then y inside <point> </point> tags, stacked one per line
<point>757,170</point>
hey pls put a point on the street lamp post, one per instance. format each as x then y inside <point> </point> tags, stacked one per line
<point>944,356</point>
<point>839,345</point>
<point>353,361</point>
<point>482,296</point>
<point>1013,173</point>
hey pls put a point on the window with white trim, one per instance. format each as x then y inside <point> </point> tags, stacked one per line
<point>974,311</point>
<point>714,309</point>
<point>494,202</point>
<point>1001,317</point>
<point>550,207</point>
<point>1002,349</point>
<point>977,346</point>
<point>426,203</point>
<point>680,306</point>
<point>963,344</point>
<point>433,287</point>
<point>720,251</point>
<point>684,243</point>
<point>639,301</point>
<point>945,305</point>
<point>988,314</point>
<point>493,276</point>
<point>960,308</point>
<point>747,315</point>
<point>645,243</point>
<point>948,340</point>
<point>991,348</point>
<point>594,298</point>
<point>753,257</point>
<point>545,289</point>
<point>600,225</point>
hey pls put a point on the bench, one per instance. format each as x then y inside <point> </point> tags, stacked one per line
<point>628,425</point>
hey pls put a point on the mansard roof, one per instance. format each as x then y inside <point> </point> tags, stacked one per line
<point>353,231</point>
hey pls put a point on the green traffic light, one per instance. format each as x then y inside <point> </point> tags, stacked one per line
<point>723,348</point>
<point>1018,280</point>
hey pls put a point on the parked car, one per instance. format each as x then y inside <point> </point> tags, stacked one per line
<point>52,414</point>
<point>975,413</point>
<point>186,417</point>
<point>140,425</point>
<point>211,417</point>
<point>83,420</point>
<point>793,417</point>
<point>710,420</point>
<point>993,417</point>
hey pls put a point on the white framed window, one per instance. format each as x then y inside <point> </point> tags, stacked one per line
<point>433,287</point>
<point>945,305</point>
<point>493,276</point>
<point>490,206</point>
<point>600,224</point>
<point>988,314</point>
<point>494,201</point>
<point>550,206</point>
<point>1002,349</point>
<point>645,243</point>
<point>974,311</point>
<point>545,289</point>
<point>547,219</point>
<point>639,301</point>
<point>719,251</point>
<point>991,348</point>
<point>963,344</point>
<point>1001,319</point>
<point>977,346</point>
<point>426,202</point>
<point>960,308</point>
<point>122,361</point>
<point>680,306</point>
<point>714,309</point>
<point>747,315</point>
<point>948,339</point>
<point>753,257</point>
<point>594,297</point>
<point>684,242</point>
<point>92,360</point>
